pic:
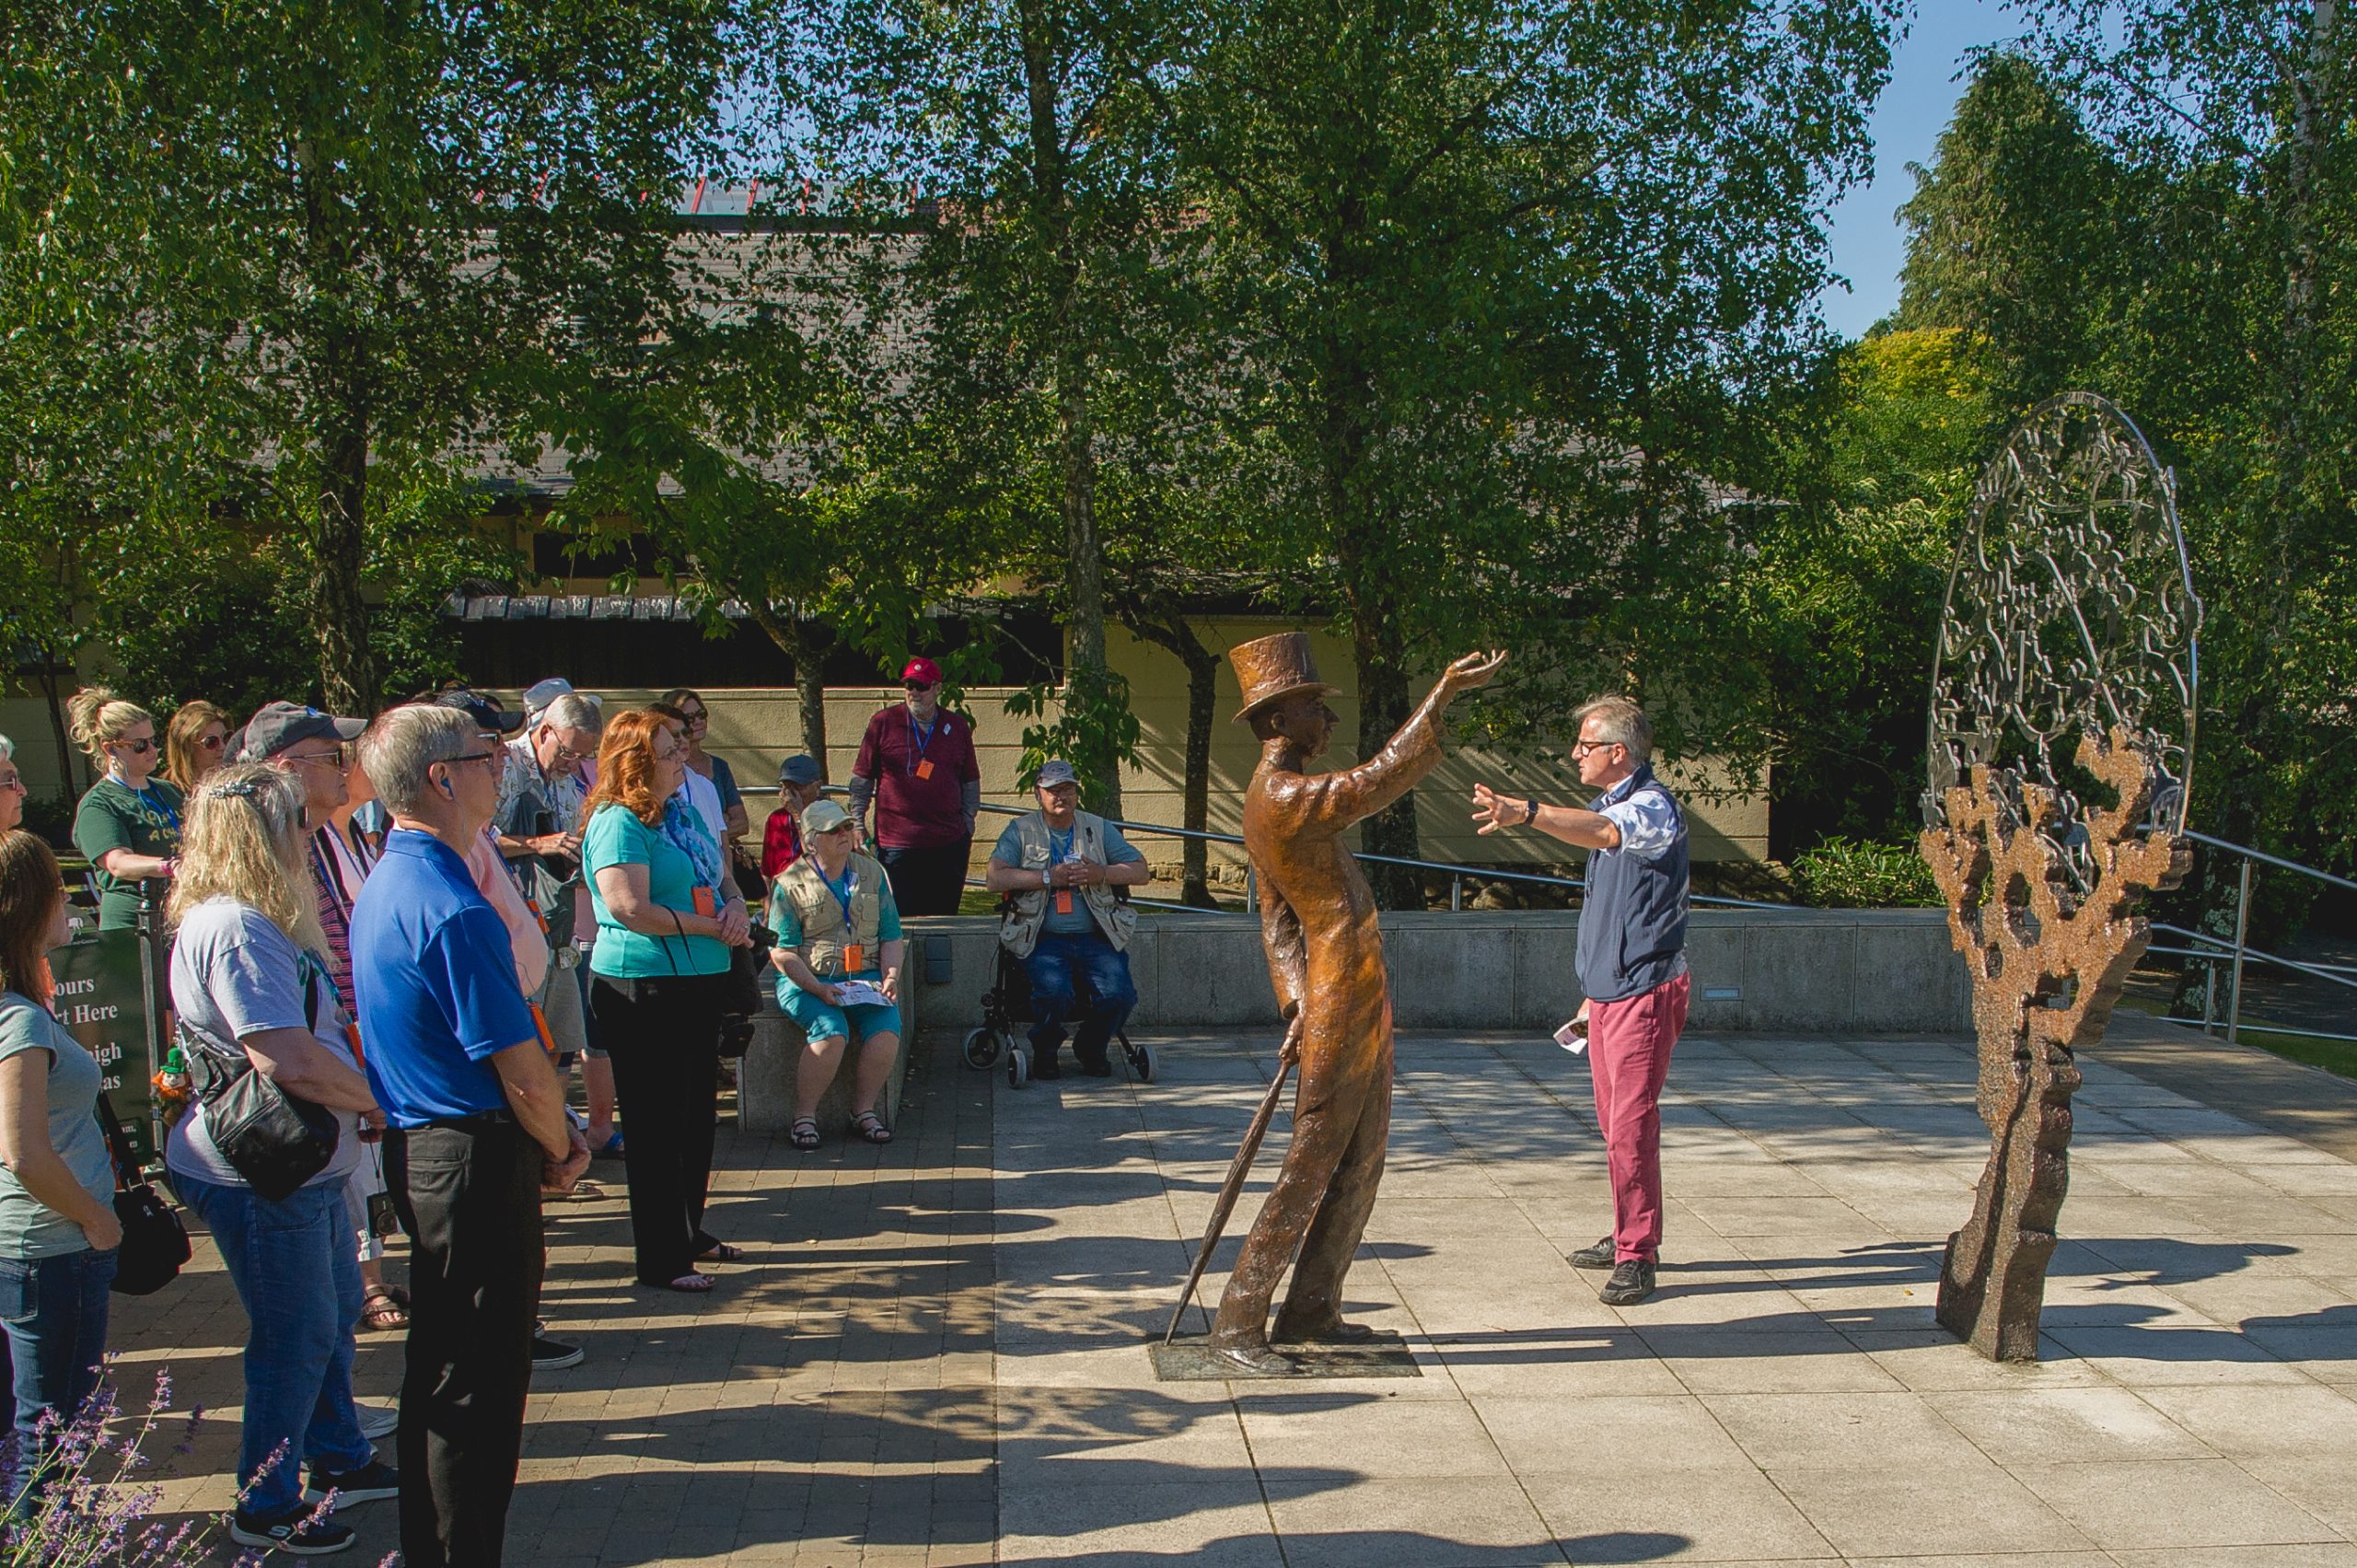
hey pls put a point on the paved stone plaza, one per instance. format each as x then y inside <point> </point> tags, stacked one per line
<point>937,1354</point>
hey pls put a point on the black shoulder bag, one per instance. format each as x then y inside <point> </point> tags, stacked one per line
<point>276,1141</point>
<point>155,1243</point>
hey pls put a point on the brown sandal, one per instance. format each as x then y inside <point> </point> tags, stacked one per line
<point>385,1311</point>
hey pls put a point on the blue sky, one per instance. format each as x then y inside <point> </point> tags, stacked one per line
<point>1868,247</point>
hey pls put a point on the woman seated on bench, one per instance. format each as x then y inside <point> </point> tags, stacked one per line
<point>836,924</point>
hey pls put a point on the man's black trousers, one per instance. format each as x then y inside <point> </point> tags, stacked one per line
<point>468,1194</point>
<point>929,880</point>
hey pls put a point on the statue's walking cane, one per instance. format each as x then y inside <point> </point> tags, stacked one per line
<point>1234,1186</point>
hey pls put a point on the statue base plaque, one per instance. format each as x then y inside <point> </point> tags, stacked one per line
<point>1190,1360</point>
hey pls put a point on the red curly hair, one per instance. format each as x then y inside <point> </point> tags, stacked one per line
<point>626,766</point>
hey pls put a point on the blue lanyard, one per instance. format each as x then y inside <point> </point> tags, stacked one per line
<point>851,881</point>
<point>918,747</point>
<point>162,812</point>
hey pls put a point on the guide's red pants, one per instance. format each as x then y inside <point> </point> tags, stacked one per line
<point>1628,1044</point>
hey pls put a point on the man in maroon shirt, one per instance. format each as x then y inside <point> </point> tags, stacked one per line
<point>917,764</point>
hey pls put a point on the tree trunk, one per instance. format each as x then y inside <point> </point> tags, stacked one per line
<point>1383,708</point>
<point>55,697</point>
<point>1087,683</point>
<point>803,641</point>
<point>1171,631</point>
<point>339,554</point>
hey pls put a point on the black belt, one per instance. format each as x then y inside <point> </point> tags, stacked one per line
<point>478,1122</point>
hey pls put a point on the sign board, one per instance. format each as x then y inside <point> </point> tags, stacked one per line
<point>103,1001</point>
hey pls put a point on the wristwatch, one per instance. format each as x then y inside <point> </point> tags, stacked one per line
<point>1532,815</point>
<point>1047,877</point>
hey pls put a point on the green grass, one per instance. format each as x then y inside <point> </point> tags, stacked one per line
<point>2335,1056</point>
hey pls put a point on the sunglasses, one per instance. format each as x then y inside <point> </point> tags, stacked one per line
<point>138,748</point>
<point>919,685</point>
<point>212,742</point>
<point>340,760</point>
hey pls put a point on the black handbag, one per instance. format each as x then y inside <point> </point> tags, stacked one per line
<point>155,1243</point>
<point>276,1141</point>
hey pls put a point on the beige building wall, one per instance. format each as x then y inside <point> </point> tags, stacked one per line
<point>755,728</point>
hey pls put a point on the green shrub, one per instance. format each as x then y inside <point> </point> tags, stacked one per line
<point>1855,874</point>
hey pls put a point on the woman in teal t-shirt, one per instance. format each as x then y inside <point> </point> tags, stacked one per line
<point>668,913</point>
<point>58,1233</point>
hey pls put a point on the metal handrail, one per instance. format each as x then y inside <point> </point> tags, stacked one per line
<point>2239,950</point>
<point>1456,872</point>
<point>2276,860</point>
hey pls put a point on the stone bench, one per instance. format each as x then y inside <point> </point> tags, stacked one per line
<point>765,1077</point>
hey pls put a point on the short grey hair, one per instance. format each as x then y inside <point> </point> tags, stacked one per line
<point>403,743</point>
<point>1620,722</point>
<point>8,748</point>
<point>574,710</point>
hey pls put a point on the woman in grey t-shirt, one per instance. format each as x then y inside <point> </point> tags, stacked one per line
<point>249,978</point>
<point>58,1233</point>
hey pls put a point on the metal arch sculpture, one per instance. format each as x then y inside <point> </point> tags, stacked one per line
<point>2067,669</point>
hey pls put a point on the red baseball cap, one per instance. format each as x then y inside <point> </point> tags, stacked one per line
<point>922,670</point>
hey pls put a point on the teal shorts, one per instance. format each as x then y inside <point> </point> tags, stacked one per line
<point>820,1021</point>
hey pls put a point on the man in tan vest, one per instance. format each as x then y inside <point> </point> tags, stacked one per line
<point>1317,921</point>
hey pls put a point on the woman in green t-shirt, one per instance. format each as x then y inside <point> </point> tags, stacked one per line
<point>668,913</point>
<point>58,1233</point>
<point>128,827</point>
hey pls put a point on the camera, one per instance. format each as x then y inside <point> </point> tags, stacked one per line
<point>745,966</point>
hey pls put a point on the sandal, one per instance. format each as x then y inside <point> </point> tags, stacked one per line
<point>804,1134</point>
<point>691,1283</point>
<point>721,1252</point>
<point>582,1191</point>
<point>385,1311</point>
<point>870,1126</point>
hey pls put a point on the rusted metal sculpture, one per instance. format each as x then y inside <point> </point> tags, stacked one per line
<point>1317,921</point>
<point>2066,671</point>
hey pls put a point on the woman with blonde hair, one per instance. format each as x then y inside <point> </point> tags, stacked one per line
<point>193,743</point>
<point>667,912</point>
<point>250,984</point>
<point>128,825</point>
<point>58,1231</point>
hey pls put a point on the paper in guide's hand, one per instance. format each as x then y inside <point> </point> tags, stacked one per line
<point>1573,1037</point>
<point>860,993</point>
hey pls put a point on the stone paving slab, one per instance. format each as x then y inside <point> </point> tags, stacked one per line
<point>936,1352</point>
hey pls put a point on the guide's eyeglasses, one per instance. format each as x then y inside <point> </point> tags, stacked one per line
<point>1582,748</point>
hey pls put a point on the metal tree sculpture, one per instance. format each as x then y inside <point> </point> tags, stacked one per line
<point>2066,672</point>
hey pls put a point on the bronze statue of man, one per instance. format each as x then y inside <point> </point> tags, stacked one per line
<point>1318,920</point>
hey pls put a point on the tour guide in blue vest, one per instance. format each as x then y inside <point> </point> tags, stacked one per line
<point>477,1129</point>
<point>1631,964</point>
<point>1060,865</point>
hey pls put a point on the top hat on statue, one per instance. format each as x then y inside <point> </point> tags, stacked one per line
<point>1272,668</point>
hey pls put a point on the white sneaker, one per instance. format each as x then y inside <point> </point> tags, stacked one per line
<point>378,1420</point>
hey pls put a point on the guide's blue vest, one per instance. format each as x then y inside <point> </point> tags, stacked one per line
<point>1632,920</point>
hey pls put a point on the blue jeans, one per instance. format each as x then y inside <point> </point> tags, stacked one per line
<point>298,1274</point>
<point>56,1313</point>
<point>1052,967</point>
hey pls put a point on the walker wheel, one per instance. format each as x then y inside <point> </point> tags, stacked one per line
<point>1018,1067</point>
<point>981,1048</point>
<point>1141,1060</point>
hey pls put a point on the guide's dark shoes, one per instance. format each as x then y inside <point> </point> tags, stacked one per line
<point>1603,1255</point>
<point>1630,1283</point>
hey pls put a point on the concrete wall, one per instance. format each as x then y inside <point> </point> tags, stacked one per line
<point>1809,971</point>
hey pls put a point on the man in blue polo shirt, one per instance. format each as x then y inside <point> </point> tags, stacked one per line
<point>477,1128</point>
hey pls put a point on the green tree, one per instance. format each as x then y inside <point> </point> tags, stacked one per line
<point>359,215</point>
<point>2213,296</point>
<point>1497,290</point>
<point>1021,117</point>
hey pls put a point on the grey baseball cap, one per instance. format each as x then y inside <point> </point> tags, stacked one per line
<point>542,693</point>
<point>824,817</point>
<point>1057,772</point>
<point>279,725</point>
<point>798,770</point>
